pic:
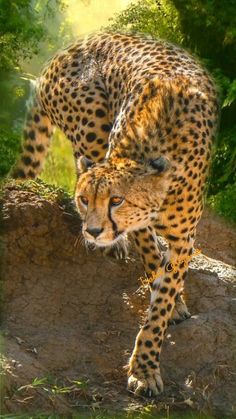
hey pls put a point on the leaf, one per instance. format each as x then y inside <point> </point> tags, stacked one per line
<point>231,94</point>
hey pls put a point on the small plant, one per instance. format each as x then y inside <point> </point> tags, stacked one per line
<point>9,150</point>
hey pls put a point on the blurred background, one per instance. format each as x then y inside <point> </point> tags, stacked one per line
<point>31,31</point>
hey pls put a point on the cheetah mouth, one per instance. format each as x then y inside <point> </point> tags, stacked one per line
<point>117,248</point>
<point>102,242</point>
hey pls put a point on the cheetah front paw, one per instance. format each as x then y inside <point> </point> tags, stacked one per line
<point>147,387</point>
<point>117,252</point>
<point>144,381</point>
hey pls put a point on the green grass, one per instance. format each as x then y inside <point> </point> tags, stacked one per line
<point>72,390</point>
<point>96,415</point>
<point>59,167</point>
<point>43,190</point>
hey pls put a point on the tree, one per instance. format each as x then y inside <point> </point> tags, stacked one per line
<point>24,29</point>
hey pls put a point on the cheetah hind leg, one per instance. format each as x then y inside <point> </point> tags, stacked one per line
<point>180,312</point>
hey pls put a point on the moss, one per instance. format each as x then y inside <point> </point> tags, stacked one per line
<point>43,190</point>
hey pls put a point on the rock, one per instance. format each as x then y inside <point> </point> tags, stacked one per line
<point>70,317</point>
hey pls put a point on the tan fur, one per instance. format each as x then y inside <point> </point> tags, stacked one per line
<point>145,113</point>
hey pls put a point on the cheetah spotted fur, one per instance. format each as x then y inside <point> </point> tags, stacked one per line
<point>141,115</point>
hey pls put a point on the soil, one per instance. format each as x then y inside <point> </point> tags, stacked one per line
<point>70,317</point>
<point>216,238</point>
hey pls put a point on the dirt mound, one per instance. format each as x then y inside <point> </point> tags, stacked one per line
<point>70,318</point>
<point>216,238</point>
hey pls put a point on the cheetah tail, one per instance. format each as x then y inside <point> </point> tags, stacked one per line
<point>37,133</point>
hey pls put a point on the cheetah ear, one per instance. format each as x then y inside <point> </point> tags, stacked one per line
<point>83,164</point>
<point>160,164</point>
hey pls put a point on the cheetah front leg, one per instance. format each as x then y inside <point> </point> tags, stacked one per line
<point>180,312</point>
<point>151,251</point>
<point>144,364</point>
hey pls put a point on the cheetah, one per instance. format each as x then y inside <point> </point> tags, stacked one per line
<point>141,115</point>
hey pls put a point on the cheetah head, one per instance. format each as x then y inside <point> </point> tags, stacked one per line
<point>115,198</point>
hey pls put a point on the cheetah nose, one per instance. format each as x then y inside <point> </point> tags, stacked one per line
<point>94,231</point>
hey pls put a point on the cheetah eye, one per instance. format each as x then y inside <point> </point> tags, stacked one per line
<point>115,201</point>
<point>84,200</point>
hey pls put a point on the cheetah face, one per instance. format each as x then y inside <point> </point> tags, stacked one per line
<point>115,199</point>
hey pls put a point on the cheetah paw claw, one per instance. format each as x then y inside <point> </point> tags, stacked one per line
<point>147,387</point>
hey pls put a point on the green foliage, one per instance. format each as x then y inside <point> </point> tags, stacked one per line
<point>224,202</point>
<point>9,150</point>
<point>26,27</point>
<point>209,30</point>
<point>156,18</point>
<point>223,171</point>
<point>20,32</point>
<point>13,97</point>
<point>22,28</point>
